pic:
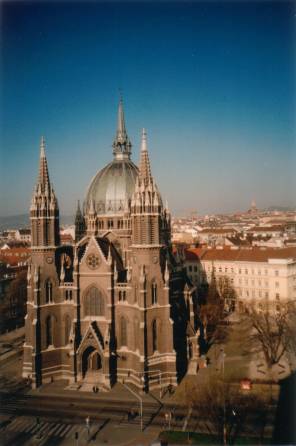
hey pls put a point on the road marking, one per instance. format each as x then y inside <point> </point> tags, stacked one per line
<point>57,432</point>
<point>54,428</point>
<point>67,428</point>
<point>71,431</point>
<point>45,429</point>
<point>14,423</point>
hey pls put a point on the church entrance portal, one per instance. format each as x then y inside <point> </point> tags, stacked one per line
<point>91,361</point>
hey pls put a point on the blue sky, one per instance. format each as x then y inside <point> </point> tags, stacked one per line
<point>213,84</point>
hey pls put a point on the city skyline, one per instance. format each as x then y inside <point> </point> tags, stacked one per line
<point>212,84</point>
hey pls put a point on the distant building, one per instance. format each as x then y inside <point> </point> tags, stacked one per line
<point>216,235</point>
<point>23,235</point>
<point>15,256</point>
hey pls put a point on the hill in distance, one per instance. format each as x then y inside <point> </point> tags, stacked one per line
<point>23,221</point>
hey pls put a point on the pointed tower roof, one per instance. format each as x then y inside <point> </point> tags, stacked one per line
<point>121,145</point>
<point>78,210</point>
<point>145,170</point>
<point>78,216</point>
<point>43,178</point>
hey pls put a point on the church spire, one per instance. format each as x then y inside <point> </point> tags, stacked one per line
<point>121,145</point>
<point>145,170</point>
<point>43,178</point>
<point>79,224</point>
<point>44,211</point>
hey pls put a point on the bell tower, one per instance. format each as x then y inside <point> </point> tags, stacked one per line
<point>44,210</point>
<point>150,245</point>
<point>42,278</point>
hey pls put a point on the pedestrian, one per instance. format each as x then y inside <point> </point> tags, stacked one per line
<point>87,423</point>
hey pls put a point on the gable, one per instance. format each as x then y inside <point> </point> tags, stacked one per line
<point>93,259</point>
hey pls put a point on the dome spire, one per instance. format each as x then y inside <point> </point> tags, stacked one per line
<point>121,145</point>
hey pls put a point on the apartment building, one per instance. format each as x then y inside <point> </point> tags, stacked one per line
<point>260,276</point>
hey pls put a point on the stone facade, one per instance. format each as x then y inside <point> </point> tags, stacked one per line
<point>115,306</point>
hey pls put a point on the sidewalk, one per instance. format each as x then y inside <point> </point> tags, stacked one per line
<point>117,393</point>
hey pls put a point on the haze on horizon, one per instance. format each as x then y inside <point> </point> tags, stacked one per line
<point>213,84</point>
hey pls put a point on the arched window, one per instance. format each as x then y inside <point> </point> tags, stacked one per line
<point>123,331</point>
<point>68,295</point>
<point>136,333</point>
<point>93,303</point>
<point>49,331</point>
<point>154,293</point>
<point>67,329</point>
<point>48,291</point>
<point>122,295</point>
<point>154,335</point>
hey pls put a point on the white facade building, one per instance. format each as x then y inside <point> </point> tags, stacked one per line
<point>260,276</point>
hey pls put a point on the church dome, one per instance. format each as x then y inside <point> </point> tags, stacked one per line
<point>115,183</point>
<point>112,186</point>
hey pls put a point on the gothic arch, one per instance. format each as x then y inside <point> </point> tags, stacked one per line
<point>123,333</point>
<point>49,330</point>
<point>136,333</point>
<point>154,292</point>
<point>67,328</point>
<point>155,334</point>
<point>93,301</point>
<point>48,285</point>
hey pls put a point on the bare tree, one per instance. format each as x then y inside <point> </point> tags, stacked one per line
<point>272,333</point>
<point>211,312</point>
<point>226,410</point>
<point>227,293</point>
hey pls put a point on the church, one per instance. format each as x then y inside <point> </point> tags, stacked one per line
<point>116,305</point>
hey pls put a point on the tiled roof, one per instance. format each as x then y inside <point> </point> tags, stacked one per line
<point>25,231</point>
<point>217,230</point>
<point>266,228</point>
<point>255,254</point>
<point>14,256</point>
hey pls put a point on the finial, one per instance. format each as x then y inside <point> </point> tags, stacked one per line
<point>142,276</point>
<point>42,147</point>
<point>109,258</point>
<point>29,273</point>
<point>166,274</point>
<point>115,272</point>
<point>36,275</point>
<point>129,272</point>
<point>62,276</point>
<point>92,210</point>
<point>76,260</point>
